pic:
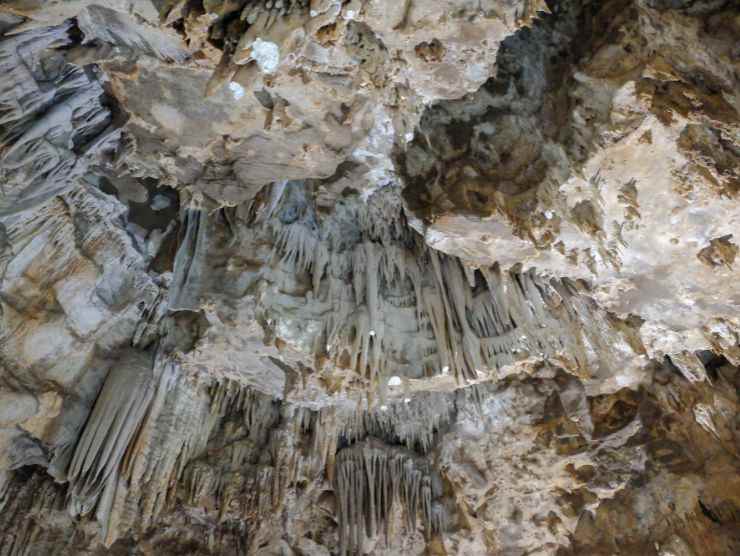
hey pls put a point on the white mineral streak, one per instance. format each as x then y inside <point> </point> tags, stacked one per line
<point>703,416</point>
<point>375,153</point>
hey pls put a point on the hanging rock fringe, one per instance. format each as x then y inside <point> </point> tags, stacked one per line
<point>371,478</point>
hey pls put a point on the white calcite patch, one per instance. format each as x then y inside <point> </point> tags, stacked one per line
<point>375,152</point>
<point>236,90</point>
<point>266,54</point>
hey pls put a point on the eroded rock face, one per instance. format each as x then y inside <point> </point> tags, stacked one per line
<point>355,277</point>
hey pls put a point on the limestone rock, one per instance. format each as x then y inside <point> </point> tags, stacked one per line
<point>318,277</point>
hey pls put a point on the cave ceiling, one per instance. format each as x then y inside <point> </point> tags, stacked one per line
<point>338,277</point>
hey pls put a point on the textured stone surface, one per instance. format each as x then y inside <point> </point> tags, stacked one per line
<point>315,277</point>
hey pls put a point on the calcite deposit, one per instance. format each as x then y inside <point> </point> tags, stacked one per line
<point>354,277</point>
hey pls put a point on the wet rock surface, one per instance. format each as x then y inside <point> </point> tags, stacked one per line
<point>315,277</point>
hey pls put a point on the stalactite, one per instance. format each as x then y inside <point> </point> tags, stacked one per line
<point>187,278</point>
<point>258,411</point>
<point>312,360</point>
<point>114,420</point>
<point>372,477</point>
<point>299,247</point>
<point>185,413</point>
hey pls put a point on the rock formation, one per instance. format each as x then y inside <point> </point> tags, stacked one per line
<point>333,277</point>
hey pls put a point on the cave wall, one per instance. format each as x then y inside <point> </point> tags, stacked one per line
<point>352,277</point>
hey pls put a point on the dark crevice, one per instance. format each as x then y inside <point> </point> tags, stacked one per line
<point>708,513</point>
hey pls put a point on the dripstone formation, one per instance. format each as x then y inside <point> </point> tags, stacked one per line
<point>353,277</point>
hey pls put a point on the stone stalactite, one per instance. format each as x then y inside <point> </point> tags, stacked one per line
<point>113,423</point>
<point>188,269</point>
<point>371,478</point>
<point>174,409</point>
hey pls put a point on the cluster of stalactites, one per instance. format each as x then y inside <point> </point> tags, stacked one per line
<point>53,123</point>
<point>371,478</point>
<point>389,301</point>
<point>260,413</point>
<point>321,427</point>
<point>167,411</point>
<point>413,422</point>
<point>245,10</point>
<point>21,533</point>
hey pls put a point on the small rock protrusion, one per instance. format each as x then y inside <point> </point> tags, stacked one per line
<point>432,51</point>
<point>720,251</point>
